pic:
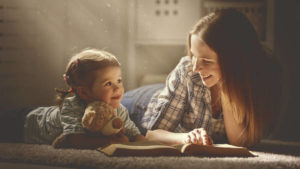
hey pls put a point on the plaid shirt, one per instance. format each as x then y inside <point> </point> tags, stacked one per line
<point>183,105</point>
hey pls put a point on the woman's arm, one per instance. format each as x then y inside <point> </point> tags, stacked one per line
<point>236,133</point>
<point>139,137</point>
<point>196,136</point>
<point>166,137</point>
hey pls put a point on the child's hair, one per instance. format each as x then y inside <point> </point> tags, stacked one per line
<point>250,78</point>
<point>81,68</point>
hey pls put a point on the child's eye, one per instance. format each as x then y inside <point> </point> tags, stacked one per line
<point>108,84</point>
<point>119,80</point>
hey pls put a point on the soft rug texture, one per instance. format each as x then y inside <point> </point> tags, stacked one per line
<point>287,156</point>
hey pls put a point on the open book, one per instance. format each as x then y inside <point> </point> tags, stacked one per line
<point>157,149</point>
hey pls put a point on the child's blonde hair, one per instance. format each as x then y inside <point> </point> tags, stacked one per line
<point>81,67</point>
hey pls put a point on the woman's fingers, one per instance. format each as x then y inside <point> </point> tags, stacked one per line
<point>188,139</point>
<point>204,136</point>
<point>198,136</point>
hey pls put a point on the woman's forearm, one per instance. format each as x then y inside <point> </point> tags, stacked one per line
<point>236,133</point>
<point>139,137</point>
<point>166,137</point>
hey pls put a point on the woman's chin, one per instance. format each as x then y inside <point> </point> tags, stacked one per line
<point>209,84</point>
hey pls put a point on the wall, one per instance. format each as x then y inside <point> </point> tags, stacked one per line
<point>287,44</point>
<point>38,37</point>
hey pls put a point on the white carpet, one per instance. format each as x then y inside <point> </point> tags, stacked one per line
<point>45,155</point>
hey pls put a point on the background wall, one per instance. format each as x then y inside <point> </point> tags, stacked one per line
<point>287,44</point>
<point>38,37</point>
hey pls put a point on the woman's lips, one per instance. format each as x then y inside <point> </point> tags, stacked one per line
<point>206,77</point>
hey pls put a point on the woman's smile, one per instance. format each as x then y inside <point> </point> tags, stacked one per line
<point>206,77</point>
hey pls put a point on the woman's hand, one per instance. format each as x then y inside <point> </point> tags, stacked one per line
<point>198,136</point>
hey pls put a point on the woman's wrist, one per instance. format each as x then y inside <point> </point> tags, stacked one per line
<point>166,137</point>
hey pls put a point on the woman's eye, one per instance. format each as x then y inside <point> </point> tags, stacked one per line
<point>108,84</point>
<point>206,61</point>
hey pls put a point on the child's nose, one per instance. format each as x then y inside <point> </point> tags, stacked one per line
<point>117,86</point>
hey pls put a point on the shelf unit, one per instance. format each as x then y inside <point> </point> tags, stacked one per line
<point>158,22</point>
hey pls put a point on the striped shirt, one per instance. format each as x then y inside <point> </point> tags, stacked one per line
<point>44,124</point>
<point>183,105</point>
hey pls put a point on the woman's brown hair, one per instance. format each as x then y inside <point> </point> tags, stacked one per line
<point>250,78</point>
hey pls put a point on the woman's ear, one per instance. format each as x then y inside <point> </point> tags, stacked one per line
<point>83,93</point>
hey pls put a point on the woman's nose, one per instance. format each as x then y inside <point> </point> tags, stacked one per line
<point>197,66</point>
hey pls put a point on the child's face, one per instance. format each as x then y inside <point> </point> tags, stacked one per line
<point>108,86</point>
<point>205,61</point>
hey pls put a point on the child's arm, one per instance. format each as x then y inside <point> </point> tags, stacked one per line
<point>84,141</point>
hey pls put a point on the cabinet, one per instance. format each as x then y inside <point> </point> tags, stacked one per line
<point>159,25</point>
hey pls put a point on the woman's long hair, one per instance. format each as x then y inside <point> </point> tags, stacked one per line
<point>250,78</point>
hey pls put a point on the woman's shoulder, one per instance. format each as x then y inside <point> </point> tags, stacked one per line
<point>185,63</point>
<point>184,67</point>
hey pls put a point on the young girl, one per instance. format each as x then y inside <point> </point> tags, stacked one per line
<point>227,85</point>
<point>91,75</point>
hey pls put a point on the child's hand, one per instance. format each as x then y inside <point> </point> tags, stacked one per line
<point>198,136</point>
<point>61,142</point>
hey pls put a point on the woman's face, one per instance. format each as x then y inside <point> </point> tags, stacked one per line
<point>205,61</point>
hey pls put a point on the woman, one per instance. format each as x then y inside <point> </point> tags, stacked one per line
<point>227,85</point>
